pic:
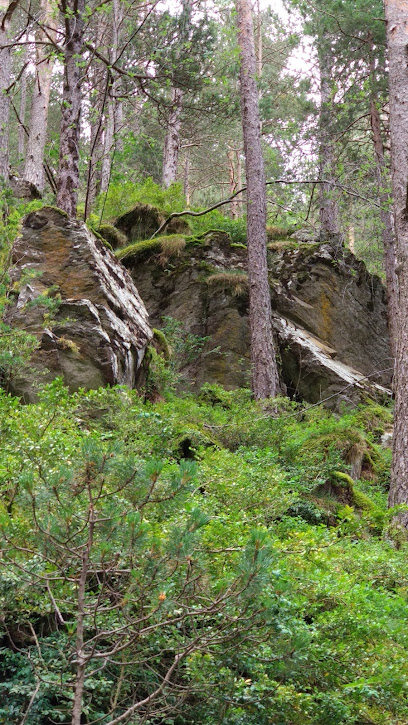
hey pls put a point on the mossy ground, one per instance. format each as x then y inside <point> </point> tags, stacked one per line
<point>169,245</point>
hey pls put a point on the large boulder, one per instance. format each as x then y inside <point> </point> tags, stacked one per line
<point>330,314</point>
<point>144,220</point>
<point>69,291</point>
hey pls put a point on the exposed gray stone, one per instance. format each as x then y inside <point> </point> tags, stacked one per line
<point>96,330</point>
<point>329,317</point>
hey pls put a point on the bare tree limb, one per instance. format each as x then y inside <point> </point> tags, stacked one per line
<point>187,212</point>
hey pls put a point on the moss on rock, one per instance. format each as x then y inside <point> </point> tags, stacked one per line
<point>161,344</point>
<point>113,236</point>
<point>144,220</point>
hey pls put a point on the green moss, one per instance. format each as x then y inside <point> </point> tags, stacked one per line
<point>47,207</point>
<point>362,501</point>
<point>139,249</point>
<point>208,232</point>
<point>101,239</point>
<point>166,245</point>
<point>344,479</point>
<point>238,246</point>
<point>375,418</point>
<point>113,236</point>
<point>161,343</point>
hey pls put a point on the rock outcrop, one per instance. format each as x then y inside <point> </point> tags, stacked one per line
<point>144,220</point>
<point>71,293</point>
<point>329,314</point>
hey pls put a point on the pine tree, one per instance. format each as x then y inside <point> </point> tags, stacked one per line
<point>265,380</point>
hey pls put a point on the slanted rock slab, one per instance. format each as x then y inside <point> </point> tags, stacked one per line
<point>79,301</point>
<point>329,315</point>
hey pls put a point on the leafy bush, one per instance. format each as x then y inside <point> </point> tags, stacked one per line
<point>281,613</point>
<point>124,196</point>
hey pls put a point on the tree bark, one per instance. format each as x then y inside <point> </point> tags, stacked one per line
<point>387,227</point>
<point>328,211</point>
<point>5,74</point>
<point>186,178</point>
<point>396,13</point>
<point>99,81</point>
<point>114,115</point>
<point>233,185</point>
<point>265,381</point>
<point>172,139</point>
<point>23,105</point>
<point>44,63</point>
<point>68,170</point>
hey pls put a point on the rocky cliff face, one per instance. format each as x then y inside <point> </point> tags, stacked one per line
<point>79,301</point>
<point>329,314</point>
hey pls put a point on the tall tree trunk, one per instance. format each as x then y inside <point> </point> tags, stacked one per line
<point>99,80</point>
<point>114,115</point>
<point>5,74</point>
<point>239,180</point>
<point>259,47</point>
<point>108,147</point>
<point>23,105</point>
<point>265,381</point>
<point>94,173</point>
<point>396,13</point>
<point>232,182</point>
<point>387,228</point>
<point>44,63</point>
<point>172,139</point>
<point>186,178</point>
<point>68,171</point>
<point>328,212</point>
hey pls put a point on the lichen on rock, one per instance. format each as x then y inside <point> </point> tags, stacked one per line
<point>95,329</point>
<point>329,315</point>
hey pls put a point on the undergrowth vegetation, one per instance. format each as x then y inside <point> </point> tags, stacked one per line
<point>222,535</point>
<point>193,560</point>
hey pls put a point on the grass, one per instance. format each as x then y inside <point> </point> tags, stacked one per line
<point>238,281</point>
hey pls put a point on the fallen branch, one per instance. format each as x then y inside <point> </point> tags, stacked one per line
<point>187,212</point>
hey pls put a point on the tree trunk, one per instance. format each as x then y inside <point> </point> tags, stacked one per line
<point>396,13</point>
<point>97,100</point>
<point>68,171</point>
<point>239,181</point>
<point>328,212</point>
<point>172,139</point>
<point>232,182</point>
<point>259,48</point>
<point>5,75</point>
<point>265,381</point>
<point>387,230</point>
<point>186,178</point>
<point>23,106</point>
<point>114,115</point>
<point>34,170</point>
<point>108,146</point>
<point>94,173</point>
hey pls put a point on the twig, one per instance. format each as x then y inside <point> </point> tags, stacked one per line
<point>30,704</point>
